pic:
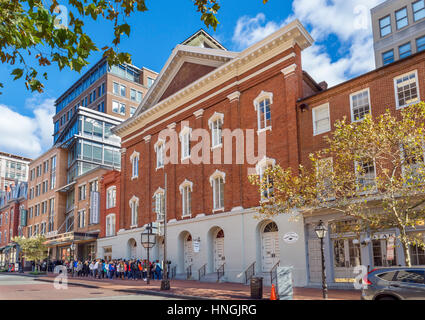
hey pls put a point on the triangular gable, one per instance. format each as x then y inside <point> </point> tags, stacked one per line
<point>185,65</point>
<point>203,40</point>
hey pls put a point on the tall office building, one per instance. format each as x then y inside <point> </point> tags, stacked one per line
<point>398,30</point>
<point>67,208</point>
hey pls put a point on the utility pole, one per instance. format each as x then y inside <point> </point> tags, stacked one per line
<point>165,282</point>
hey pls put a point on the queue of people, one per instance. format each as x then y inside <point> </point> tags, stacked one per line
<point>115,269</point>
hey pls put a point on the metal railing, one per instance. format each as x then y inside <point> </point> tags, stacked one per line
<point>202,271</point>
<point>249,272</point>
<point>220,272</point>
<point>273,273</point>
<point>189,272</point>
<point>173,272</point>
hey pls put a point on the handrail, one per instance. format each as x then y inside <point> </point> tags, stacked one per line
<point>202,271</point>
<point>249,272</point>
<point>173,272</point>
<point>189,272</point>
<point>220,272</point>
<point>273,272</point>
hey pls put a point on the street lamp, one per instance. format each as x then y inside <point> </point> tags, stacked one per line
<point>321,234</point>
<point>71,257</point>
<point>165,282</point>
<point>148,242</point>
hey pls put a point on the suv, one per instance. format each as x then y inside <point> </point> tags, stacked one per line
<point>395,283</point>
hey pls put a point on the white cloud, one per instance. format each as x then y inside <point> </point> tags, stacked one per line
<point>24,135</point>
<point>348,20</point>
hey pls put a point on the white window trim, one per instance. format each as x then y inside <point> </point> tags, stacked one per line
<point>216,116</point>
<point>398,107</point>
<point>113,216</point>
<point>160,142</point>
<point>351,103</point>
<point>186,183</point>
<point>264,163</point>
<point>185,131</point>
<point>158,192</point>
<point>133,157</point>
<point>120,103</point>
<point>108,205</point>
<point>315,133</point>
<point>373,190</point>
<point>134,200</point>
<point>262,96</point>
<point>215,175</point>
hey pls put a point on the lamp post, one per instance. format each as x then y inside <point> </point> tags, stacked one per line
<point>165,282</point>
<point>321,234</point>
<point>148,242</point>
<point>71,257</point>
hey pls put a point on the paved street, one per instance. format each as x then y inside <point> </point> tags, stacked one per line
<point>14,287</point>
<point>24,287</point>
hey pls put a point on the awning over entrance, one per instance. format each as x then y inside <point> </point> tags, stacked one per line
<point>66,188</point>
<point>64,239</point>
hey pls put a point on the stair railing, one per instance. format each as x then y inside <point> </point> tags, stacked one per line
<point>273,273</point>
<point>250,272</point>
<point>202,271</point>
<point>220,272</point>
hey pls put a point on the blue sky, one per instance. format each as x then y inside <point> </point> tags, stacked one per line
<point>341,28</point>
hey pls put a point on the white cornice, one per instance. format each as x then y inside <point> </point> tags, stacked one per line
<point>198,113</point>
<point>234,96</point>
<point>289,70</point>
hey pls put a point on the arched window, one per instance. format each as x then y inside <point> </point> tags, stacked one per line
<point>160,153</point>
<point>262,105</point>
<point>271,227</point>
<point>185,135</point>
<point>220,234</point>
<point>217,180</point>
<point>216,125</point>
<point>111,197</point>
<point>134,159</point>
<point>159,197</point>
<point>134,206</point>
<point>186,189</point>
<point>110,225</point>
<point>267,181</point>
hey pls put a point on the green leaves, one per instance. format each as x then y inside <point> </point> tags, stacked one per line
<point>57,35</point>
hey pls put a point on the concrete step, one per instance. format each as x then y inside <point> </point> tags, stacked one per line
<point>212,277</point>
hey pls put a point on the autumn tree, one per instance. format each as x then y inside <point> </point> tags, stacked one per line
<point>371,170</point>
<point>33,248</point>
<point>53,32</point>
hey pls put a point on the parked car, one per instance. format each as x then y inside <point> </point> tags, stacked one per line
<point>395,283</point>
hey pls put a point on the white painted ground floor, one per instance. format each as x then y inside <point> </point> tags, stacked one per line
<point>240,238</point>
<point>234,239</point>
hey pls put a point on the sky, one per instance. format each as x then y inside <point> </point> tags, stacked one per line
<point>343,49</point>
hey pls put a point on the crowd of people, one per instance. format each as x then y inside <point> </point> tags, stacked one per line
<point>114,269</point>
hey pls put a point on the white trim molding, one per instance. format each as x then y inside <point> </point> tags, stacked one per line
<point>264,162</point>
<point>234,96</point>
<point>263,95</point>
<point>290,69</point>
<point>147,138</point>
<point>186,183</point>
<point>158,191</point>
<point>198,113</point>
<point>214,117</point>
<point>217,174</point>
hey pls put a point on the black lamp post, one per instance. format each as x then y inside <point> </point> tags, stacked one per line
<point>148,242</point>
<point>71,257</point>
<point>321,234</point>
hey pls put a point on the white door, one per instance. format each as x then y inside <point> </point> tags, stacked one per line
<point>219,257</point>
<point>314,260</point>
<point>270,250</point>
<point>188,252</point>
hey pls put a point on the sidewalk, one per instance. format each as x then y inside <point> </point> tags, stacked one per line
<point>200,290</point>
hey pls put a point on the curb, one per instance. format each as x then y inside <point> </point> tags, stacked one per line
<point>135,291</point>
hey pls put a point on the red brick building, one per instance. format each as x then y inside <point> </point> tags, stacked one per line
<point>205,104</point>
<point>391,87</point>
<point>12,211</point>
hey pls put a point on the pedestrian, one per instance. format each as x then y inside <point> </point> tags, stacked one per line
<point>158,270</point>
<point>100,269</point>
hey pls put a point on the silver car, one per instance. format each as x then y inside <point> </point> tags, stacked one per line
<point>395,283</point>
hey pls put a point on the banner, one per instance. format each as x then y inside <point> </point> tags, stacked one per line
<point>390,248</point>
<point>196,246</point>
<point>24,217</point>
<point>94,207</point>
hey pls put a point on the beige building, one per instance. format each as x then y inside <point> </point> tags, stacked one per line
<point>12,168</point>
<point>398,30</point>
<point>45,204</point>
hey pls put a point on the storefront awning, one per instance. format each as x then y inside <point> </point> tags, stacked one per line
<point>66,188</point>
